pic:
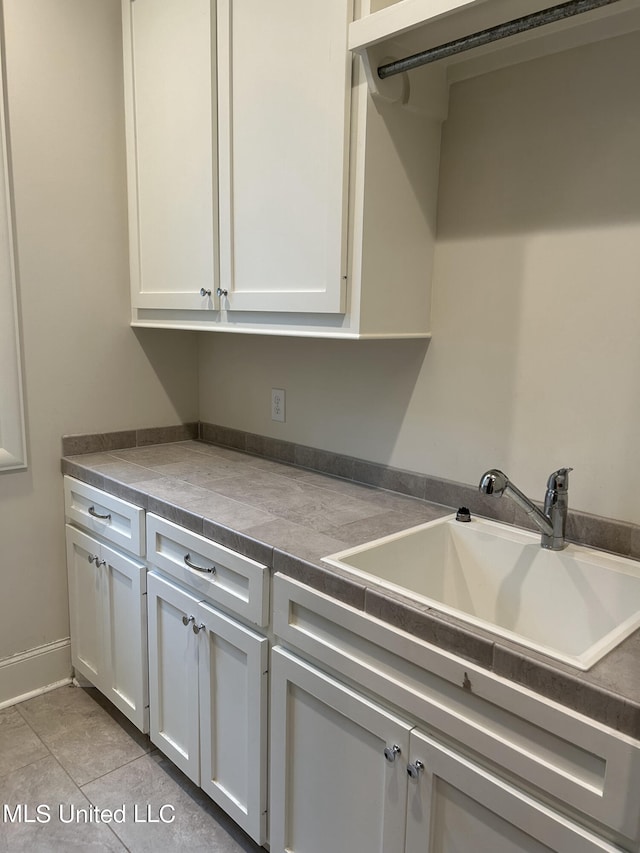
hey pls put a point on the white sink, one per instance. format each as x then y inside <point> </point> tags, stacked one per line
<point>574,605</point>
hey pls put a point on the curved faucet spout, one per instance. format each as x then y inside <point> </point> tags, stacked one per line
<point>493,482</point>
<point>552,521</point>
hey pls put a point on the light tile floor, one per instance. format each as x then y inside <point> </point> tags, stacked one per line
<point>68,753</point>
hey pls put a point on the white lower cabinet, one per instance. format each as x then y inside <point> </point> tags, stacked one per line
<point>107,607</point>
<point>379,741</point>
<point>349,775</point>
<point>208,700</point>
<point>384,742</point>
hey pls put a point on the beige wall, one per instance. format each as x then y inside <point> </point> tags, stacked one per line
<point>535,353</point>
<point>85,369</point>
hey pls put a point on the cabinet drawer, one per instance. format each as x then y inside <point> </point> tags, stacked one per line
<point>112,518</point>
<point>222,576</point>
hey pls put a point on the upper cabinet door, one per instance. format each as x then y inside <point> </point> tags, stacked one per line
<point>284,78</point>
<point>169,62</point>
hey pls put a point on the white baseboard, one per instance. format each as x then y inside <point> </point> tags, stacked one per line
<point>36,671</point>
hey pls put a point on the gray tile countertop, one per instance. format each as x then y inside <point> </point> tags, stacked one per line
<point>289,517</point>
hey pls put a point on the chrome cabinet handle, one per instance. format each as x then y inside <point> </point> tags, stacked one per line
<point>392,752</point>
<point>191,565</point>
<point>198,628</point>
<point>92,557</point>
<point>186,619</point>
<point>221,292</point>
<point>415,769</point>
<point>92,511</point>
<point>204,292</point>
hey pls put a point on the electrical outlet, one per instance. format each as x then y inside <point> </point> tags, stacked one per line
<point>277,404</point>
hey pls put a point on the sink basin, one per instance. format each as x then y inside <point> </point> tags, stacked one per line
<point>573,605</point>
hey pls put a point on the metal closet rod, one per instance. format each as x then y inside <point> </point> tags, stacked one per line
<point>501,31</point>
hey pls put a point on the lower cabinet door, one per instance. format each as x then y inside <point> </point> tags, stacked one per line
<point>108,614</point>
<point>85,606</point>
<point>233,664</point>
<point>338,765</point>
<point>455,805</point>
<point>173,674</point>
<point>125,681</point>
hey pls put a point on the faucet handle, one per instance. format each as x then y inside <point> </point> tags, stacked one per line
<point>559,480</point>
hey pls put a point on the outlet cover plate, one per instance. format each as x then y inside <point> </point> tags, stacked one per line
<point>278,404</point>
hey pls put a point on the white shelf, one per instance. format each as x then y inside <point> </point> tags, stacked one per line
<point>411,26</point>
<point>401,18</point>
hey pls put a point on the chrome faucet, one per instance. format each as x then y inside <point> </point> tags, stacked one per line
<point>552,520</point>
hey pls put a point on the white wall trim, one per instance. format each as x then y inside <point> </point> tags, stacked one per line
<point>35,671</point>
<point>13,445</point>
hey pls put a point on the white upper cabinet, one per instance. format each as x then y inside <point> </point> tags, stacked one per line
<point>283,104</point>
<point>323,205</point>
<point>169,63</point>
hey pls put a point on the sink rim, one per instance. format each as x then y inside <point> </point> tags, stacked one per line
<point>607,561</point>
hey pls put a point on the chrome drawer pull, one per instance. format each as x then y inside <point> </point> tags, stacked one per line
<point>92,511</point>
<point>186,619</point>
<point>198,628</point>
<point>191,565</point>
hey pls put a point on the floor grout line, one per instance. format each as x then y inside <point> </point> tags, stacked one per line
<point>115,769</point>
<point>23,766</point>
<point>35,733</point>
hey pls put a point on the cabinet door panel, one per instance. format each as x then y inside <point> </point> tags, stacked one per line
<point>126,681</point>
<point>283,94</point>
<point>454,806</point>
<point>85,606</point>
<point>169,86</point>
<point>233,719</point>
<point>331,786</point>
<point>173,674</point>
